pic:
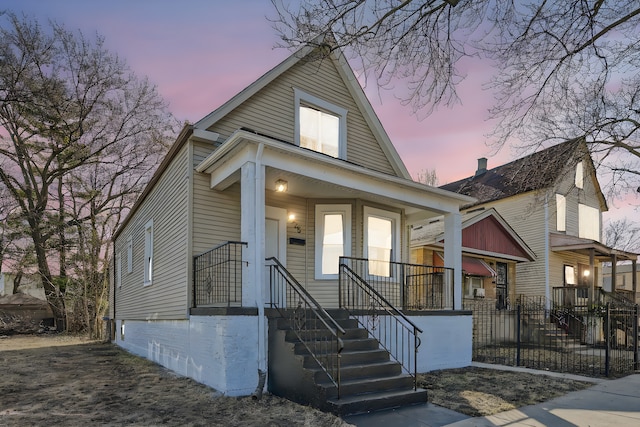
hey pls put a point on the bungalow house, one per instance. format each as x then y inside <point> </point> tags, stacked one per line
<point>272,245</point>
<point>553,200</point>
<point>490,251</point>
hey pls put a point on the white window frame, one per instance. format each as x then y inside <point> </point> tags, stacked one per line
<point>469,285</point>
<point>394,217</point>
<point>305,99</point>
<point>588,222</point>
<point>130,254</point>
<point>580,175</point>
<point>117,276</point>
<point>321,211</point>
<point>148,253</point>
<point>561,213</point>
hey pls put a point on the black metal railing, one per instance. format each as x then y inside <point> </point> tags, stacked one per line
<point>320,333</point>
<point>599,340</point>
<point>407,286</point>
<point>217,276</point>
<point>384,322</point>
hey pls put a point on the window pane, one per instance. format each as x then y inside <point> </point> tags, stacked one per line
<point>379,240</point>
<point>319,131</point>
<point>579,175</point>
<point>561,212</point>
<point>588,222</point>
<point>332,243</point>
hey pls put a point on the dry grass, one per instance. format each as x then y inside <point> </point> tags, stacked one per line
<point>480,392</point>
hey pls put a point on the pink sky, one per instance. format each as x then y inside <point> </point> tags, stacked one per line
<point>200,53</point>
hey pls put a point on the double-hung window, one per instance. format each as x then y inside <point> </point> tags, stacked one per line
<point>333,238</point>
<point>319,125</point>
<point>382,240</point>
<point>148,253</point>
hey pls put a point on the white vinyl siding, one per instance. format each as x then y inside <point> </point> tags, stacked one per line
<point>118,270</point>
<point>167,205</point>
<point>272,111</point>
<point>333,238</point>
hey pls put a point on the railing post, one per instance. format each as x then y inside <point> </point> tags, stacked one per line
<point>518,341</point>
<point>194,293</point>
<point>636,366</point>
<point>607,338</point>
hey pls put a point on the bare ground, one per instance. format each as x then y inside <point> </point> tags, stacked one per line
<point>58,380</point>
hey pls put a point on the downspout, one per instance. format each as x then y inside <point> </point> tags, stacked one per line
<point>259,273</point>
<point>547,290</point>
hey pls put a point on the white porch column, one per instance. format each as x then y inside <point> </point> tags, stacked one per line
<point>453,253</point>
<point>248,234</point>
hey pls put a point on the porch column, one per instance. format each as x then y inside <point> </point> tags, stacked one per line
<point>453,254</point>
<point>614,271</point>
<point>634,281</point>
<point>249,234</point>
<point>592,276</point>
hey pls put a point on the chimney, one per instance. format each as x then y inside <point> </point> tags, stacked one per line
<point>482,166</point>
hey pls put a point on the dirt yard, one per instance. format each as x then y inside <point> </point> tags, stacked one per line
<point>56,380</point>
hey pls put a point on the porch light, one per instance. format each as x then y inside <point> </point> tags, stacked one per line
<point>586,273</point>
<point>282,186</point>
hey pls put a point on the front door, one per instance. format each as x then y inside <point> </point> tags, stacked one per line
<point>275,234</point>
<point>501,286</point>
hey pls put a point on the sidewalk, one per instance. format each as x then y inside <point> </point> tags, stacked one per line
<point>608,403</point>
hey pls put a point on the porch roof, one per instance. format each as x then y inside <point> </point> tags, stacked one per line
<point>564,243</point>
<point>315,175</point>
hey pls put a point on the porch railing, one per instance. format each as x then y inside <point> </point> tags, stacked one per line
<point>319,333</point>
<point>577,298</point>
<point>374,312</point>
<point>217,276</point>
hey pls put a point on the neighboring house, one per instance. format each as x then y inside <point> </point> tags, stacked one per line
<point>553,200</point>
<point>281,181</point>
<point>625,282</point>
<point>490,251</point>
<point>29,284</point>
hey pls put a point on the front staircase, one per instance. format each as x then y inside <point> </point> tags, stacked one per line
<point>369,379</point>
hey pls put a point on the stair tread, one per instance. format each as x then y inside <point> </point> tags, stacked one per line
<point>355,381</point>
<point>376,395</point>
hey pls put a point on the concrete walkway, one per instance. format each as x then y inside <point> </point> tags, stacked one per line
<point>607,403</point>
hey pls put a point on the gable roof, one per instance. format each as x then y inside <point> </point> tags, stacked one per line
<point>534,172</point>
<point>432,233</point>
<point>350,81</point>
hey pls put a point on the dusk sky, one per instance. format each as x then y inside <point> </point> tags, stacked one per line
<point>200,53</point>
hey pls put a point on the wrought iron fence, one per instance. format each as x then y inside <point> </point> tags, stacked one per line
<point>217,276</point>
<point>600,341</point>
<point>374,312</point>
<point>319,333</point>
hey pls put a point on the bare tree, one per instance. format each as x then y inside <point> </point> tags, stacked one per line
<point>623,235</point>
<point>66,104</point>
<point>564,70</point>
<point>428,177</point>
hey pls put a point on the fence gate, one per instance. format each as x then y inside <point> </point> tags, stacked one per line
<point>602,341</point>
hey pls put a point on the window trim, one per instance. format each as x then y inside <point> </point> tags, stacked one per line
<point>130,254</point>
<point>561,215</point>
<point>303,98</point>
<point>148,254</point>
<point>321,211</point>
<point>395,219</point>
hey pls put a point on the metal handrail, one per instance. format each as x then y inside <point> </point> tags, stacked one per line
<point>380,304</point>
<point>306,304</point>
<point>217,275</point>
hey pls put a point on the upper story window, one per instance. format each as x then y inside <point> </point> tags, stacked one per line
<point>579,175</point>
<point>333,238</point>
<point>588,222</point>
<point>561,213</point>
<point>320,125</point>
<point>148,253</point>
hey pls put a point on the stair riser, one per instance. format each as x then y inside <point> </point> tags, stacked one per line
<point>370,403</point>
<point>349,345</point>
<point>371,386</point>
<point>325,335</point>
<point>318,324</point>
<point>367,371</point>
<point>347,359</point>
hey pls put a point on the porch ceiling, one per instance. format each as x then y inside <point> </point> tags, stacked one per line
<point>564,243</point>
<point>314,175</point>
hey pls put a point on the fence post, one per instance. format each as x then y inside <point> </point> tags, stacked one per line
<point>518,311</point>
<point>607,340</point>
<point>636,366</point>
<point>193,284</point>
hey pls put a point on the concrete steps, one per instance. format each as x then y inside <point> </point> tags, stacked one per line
<point>370,379</point>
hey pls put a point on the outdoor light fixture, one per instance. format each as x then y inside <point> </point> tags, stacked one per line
<point>586,273</point>
<point>294,224</point>
<point>282,186</point>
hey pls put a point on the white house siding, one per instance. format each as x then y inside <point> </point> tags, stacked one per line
<point>271,111</point>
<point>166,205</point>
<point>219,351</point>
<point>525,214</point>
